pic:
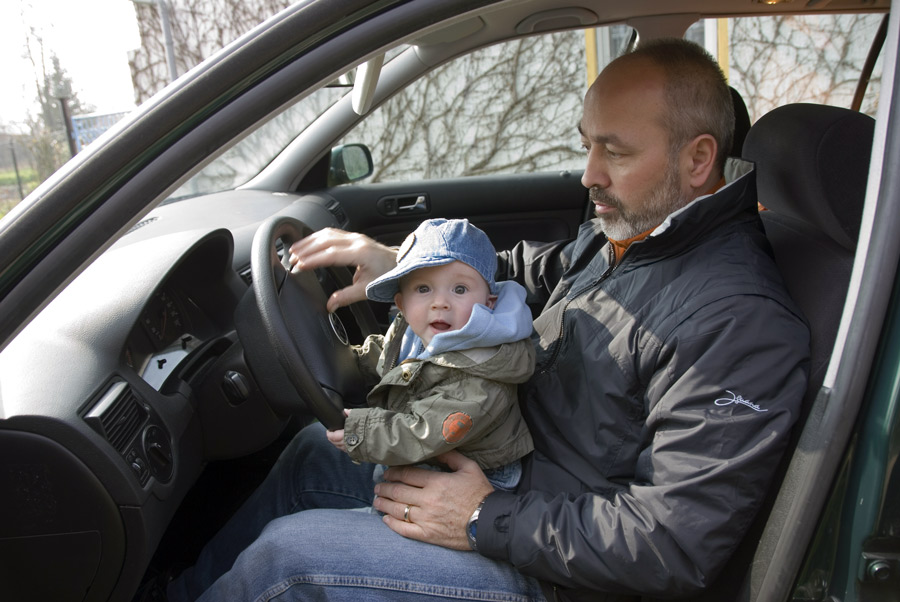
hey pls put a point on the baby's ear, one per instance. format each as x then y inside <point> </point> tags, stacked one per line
<point>490,301</point>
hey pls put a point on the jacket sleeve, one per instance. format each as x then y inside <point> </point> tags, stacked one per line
<point>397,438</point>
<point>537,266</point>
<point>724,391</point>
<point>368,357</point>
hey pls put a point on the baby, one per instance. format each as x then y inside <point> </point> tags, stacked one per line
<point>450,363</point>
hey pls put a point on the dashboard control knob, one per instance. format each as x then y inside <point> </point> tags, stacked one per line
<point>236,387</point>
<point>158,450</point>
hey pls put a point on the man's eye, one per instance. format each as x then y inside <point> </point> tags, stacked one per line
<point>613,154</point>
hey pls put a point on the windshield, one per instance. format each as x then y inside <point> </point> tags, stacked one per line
<point>248,157</point>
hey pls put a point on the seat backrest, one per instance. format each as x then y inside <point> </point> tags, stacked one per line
<point>812,164</point>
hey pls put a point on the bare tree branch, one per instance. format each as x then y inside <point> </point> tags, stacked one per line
<point>779,60</point>
<point>507,108</point>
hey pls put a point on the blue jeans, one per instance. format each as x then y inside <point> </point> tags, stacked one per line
<point>293,540</point>
<point>503,478</point>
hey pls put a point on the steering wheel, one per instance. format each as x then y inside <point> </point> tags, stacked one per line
<point>309,343</point>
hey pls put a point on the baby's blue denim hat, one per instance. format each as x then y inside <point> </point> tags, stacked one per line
<point>438,242</point>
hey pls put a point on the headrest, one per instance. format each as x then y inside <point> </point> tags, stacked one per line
<point>741,122</point>
<point>812,164</point>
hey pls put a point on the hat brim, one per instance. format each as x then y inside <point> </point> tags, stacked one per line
<point>386,286</point>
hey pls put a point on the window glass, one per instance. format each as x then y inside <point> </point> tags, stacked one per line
<point>812,58</point>
<point>514,107</point>
<point>509,108</point>
<point>247,158</point>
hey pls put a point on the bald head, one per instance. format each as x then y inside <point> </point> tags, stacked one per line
<point>694,94</point>
<point>633,90</point>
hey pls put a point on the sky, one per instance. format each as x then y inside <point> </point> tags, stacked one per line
<point>91,38</point>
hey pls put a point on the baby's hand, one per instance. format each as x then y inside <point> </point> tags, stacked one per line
<point>337,437</point>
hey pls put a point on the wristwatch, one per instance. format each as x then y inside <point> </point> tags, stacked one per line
<point>472,526</point>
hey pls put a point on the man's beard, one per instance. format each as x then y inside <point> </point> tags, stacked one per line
<point>623,224</point>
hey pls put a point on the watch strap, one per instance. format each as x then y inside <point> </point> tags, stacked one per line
<point>472,526</point>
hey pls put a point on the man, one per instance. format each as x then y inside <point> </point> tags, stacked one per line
<point>670,368</point>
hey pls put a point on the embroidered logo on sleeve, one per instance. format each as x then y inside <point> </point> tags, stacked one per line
<point>456,426</point>
<point>735,398</point>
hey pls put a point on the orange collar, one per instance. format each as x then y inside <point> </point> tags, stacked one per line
<point>620,246</point>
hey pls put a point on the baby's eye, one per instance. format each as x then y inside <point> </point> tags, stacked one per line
<point>422,288</point>
<point>460,290</point>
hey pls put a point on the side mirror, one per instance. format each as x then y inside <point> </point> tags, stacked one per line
<point>349,163</point>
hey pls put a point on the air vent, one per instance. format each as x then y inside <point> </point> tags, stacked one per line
<point>118,416</point>
<point>246,276</point>
<point>339,214</point>
<point>244,272</point>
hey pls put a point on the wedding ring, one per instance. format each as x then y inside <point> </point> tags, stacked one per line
<point>406,514</point>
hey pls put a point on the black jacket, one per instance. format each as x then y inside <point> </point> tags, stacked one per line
<point>663,396</point>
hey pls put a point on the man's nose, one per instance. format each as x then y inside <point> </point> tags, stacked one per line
<point>595,171</point>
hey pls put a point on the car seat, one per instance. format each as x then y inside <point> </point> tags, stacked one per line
<point>812,164</point>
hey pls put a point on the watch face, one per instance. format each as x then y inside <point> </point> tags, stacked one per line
<point>472,527</point>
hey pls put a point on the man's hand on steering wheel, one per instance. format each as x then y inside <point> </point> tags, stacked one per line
<point>331,247</point>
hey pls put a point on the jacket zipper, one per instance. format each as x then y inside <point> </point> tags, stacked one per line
<point>394,351</point>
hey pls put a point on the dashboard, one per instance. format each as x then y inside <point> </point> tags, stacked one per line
<point>121,390</point>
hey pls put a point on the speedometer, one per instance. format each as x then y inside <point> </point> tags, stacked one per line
<point>163,319</point>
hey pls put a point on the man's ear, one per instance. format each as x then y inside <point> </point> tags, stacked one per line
<point>700,154</point>
<point>490,301</point>
<point>398,301</point>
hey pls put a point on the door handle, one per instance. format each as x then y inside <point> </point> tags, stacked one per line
<point>419,205</point>
<point>404,205</point>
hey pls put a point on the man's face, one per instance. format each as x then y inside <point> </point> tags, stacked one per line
<point>633,178</point>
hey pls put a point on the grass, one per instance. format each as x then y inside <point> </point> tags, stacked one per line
<point>6,206</point>
<point>28,176</point>
<point>9,187</point>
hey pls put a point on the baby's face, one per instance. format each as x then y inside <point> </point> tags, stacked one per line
<point>440,299</point>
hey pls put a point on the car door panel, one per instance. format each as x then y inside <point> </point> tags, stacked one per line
<point>509,208</point>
